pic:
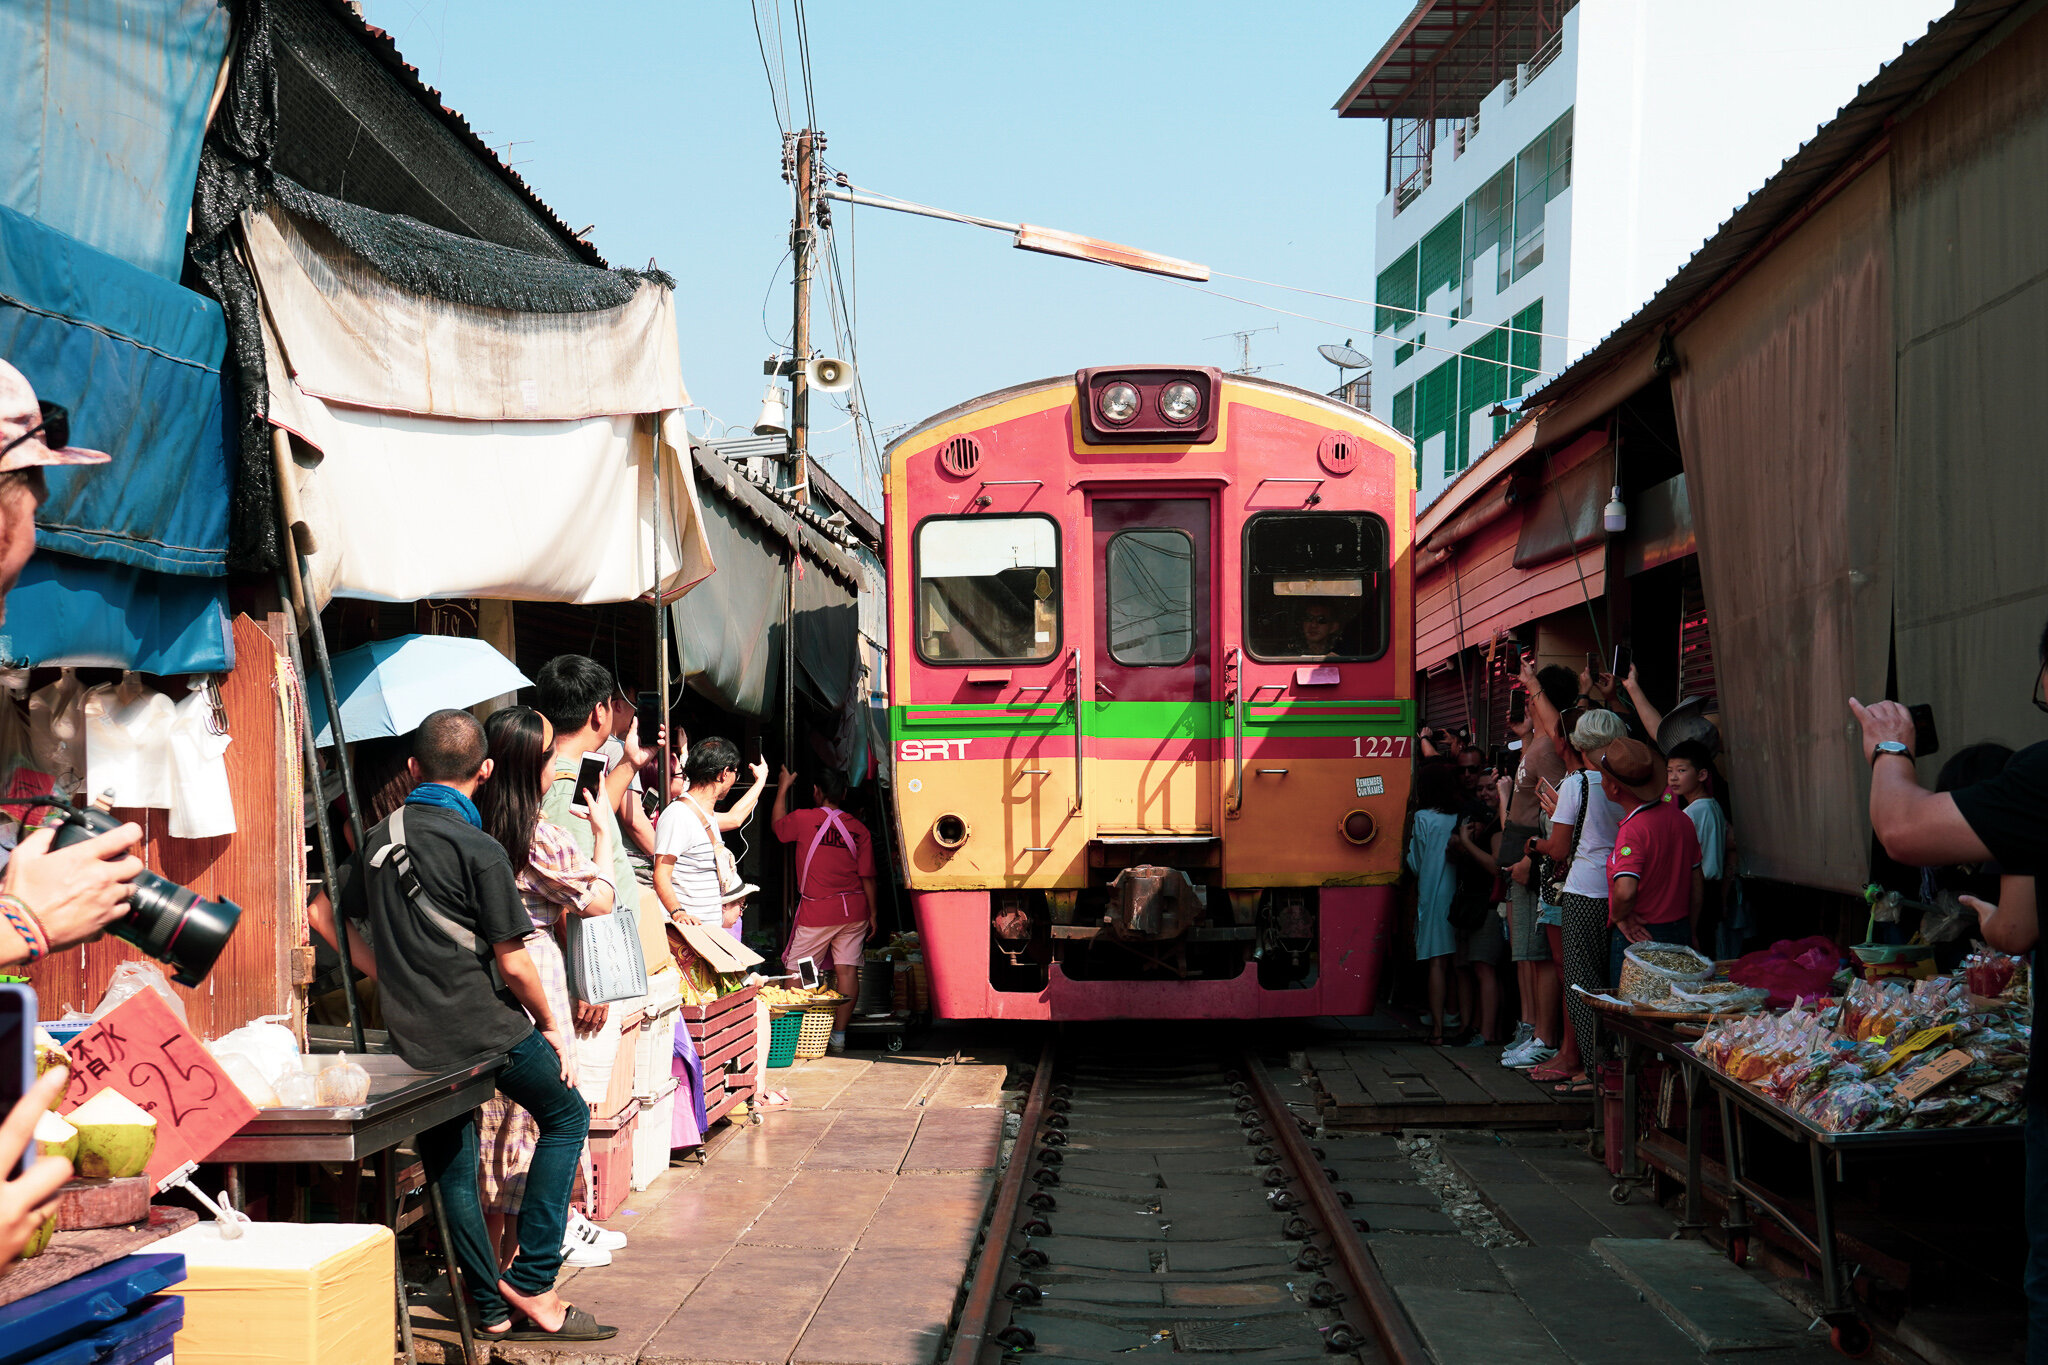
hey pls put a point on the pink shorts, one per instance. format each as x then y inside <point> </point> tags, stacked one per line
<point>829,945</point>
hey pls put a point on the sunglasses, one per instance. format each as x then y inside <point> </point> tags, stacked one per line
<point>55,428</point>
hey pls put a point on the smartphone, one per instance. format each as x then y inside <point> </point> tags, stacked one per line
<point>589,778</point>
<point>1592,666</point>
<point>648,719</point>
<point>1518,706</point>
<point>1511,655</point>
<point>1926,740</point>
<point>807,972</point>
<point>1543,785</point>
<point>1624,660</point>
<point>18,1052</point>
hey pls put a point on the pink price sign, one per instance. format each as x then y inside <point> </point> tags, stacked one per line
<point>144,1051</point>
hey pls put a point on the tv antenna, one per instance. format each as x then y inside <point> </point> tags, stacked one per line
<point>1244,348</point>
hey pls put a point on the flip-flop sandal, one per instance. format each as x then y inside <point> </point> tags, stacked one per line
<point>774,1099</point>
<point>1573,1089</point>
<point>1548,1075</point>
<point>577,1325</point>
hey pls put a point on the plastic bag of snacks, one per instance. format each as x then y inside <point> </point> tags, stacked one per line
<point>1718,997</point>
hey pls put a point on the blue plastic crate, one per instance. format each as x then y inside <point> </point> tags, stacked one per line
<point>30,1328</point>
<point>145,1336</point>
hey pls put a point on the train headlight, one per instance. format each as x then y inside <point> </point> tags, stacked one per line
<point>949,831</point>
<point>1358,827</point>
<point>1180,402</point>
<point>1118,404</point>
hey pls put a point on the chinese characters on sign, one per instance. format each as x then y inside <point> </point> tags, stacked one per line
<point>142,1050</point>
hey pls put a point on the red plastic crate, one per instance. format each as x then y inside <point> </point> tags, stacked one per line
<point>611,1155</point>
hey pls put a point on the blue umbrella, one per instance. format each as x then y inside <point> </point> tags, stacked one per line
<point>388,687</point>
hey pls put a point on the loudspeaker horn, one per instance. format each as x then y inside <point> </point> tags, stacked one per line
<point>829,375</point>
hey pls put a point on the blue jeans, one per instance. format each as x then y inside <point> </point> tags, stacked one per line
<point>2036,1280</point>
<point>532,1079</point>
<point>1676,931</point>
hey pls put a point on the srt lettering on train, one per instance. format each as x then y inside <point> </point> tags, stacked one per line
<point>915,749</point>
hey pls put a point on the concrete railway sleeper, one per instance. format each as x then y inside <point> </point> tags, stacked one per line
<point>1171,1203</point>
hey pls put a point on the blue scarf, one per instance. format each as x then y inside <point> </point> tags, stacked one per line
<point>447,798</point>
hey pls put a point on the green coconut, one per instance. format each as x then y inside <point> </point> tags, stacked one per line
<point>55,1136</point>
<point>49,1055</point>
<point>116,1136</point>
<point>40,1238</point>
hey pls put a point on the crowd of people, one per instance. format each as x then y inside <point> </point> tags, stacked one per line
<point>1592,838</point>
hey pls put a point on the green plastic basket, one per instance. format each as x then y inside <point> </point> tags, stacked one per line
<point>782,1034</point>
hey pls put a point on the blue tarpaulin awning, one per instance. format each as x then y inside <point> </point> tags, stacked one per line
<point>106,109</point>
<point>137,360</point>
<point>90,613</point>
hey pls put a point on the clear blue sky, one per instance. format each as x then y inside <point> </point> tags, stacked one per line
<point>1199,130</point>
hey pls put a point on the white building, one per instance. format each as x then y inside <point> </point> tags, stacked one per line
<point>1550,165</point>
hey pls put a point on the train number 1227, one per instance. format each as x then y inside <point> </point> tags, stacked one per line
<point>1380,746</point>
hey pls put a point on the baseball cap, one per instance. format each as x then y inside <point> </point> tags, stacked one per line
<point>21,414</point>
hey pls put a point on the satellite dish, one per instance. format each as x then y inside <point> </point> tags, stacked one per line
<point>1344,358</point>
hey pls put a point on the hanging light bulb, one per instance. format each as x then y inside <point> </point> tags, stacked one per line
<point>774,420</point>
<point>1614,516</point>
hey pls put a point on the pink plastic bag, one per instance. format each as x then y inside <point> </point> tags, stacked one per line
<point>1790,969</point>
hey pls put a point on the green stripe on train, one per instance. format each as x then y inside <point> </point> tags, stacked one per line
<point>1143,720</point>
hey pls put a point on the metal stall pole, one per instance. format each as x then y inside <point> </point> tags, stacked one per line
<point>293,595</point>
<point>661,609</point>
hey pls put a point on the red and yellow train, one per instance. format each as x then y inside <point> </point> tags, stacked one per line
<point>1151,695</point>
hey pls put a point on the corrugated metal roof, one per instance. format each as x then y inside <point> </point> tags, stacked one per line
<point>1447,55</point>
<point>1836,148</point>
<point>380,45</point>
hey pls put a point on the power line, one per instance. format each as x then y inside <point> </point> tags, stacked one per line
<point>1392,308</point>
<point>777,101</point>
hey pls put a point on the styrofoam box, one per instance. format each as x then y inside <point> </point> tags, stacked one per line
<point>654,1049</point>
<point>650,1139</point>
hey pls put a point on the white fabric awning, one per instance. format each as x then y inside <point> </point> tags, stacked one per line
<point>401,507</point>
<point>349,335</point>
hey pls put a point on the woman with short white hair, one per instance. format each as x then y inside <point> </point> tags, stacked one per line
<point>1582,827</point>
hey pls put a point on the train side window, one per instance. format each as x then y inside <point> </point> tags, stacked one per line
<point>1151,586</point>
<point>1315,586</point>
<point>988,589</point>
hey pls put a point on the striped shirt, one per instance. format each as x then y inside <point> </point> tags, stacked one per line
<point>681,834</point>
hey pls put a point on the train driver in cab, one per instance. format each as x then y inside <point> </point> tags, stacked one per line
<point>1324,630</point>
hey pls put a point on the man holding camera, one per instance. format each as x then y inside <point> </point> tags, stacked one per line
<point>2002,819</point>
<point>49,900</point>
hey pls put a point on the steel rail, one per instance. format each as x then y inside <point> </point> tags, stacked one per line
<point>1390,1323</point>
<point>988,1270</point>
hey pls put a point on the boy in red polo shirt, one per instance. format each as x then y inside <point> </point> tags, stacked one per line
<point>1654,885</point>
<point>835,869</point>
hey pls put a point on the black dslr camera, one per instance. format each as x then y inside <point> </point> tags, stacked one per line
<point>171,923</point>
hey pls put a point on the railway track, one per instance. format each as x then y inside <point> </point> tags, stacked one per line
<point>1156,1203</point>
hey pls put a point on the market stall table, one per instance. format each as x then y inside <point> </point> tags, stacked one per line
<point>1737,1100</point>
<point>402,1103</point>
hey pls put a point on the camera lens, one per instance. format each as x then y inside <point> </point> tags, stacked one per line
<point>172,923</point>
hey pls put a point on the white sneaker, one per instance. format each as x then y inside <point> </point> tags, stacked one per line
<point>583,1257</point>
<point>1512,1056</point>
<point>587,1233</point>
<point>1535,1056</point>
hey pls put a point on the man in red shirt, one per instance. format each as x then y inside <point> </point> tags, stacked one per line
<point>1654,885</point>
<point>835,877</point>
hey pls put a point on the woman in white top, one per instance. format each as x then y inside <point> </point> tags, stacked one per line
<point>685,838</point>
<point>1582,826</point>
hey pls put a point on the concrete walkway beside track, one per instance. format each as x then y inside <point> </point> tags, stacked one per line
<point>835,1232</point>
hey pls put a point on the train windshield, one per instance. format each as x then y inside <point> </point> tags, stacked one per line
<point>1315,586</point>
<point>988,589</point>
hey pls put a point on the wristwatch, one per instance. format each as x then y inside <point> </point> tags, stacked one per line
<point>1888,746</point>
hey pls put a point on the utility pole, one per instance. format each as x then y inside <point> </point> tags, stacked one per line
<point>802,247</point>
